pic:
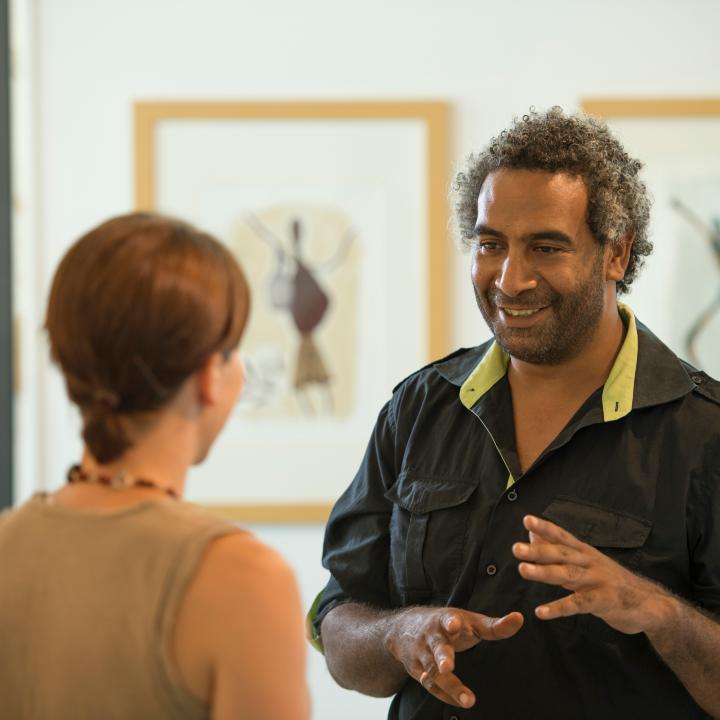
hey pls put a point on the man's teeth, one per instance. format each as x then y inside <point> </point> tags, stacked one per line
<point>520,313</point>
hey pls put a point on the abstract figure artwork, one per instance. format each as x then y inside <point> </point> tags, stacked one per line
<point>294,287</point>
<point>709,231</point>
<point>303,269</point>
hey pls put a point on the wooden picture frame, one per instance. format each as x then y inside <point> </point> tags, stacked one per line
<point>651,107</point>
<point>153,151</point>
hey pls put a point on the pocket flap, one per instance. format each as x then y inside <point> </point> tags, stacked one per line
<point>596,525</point>
<point>420,494</point>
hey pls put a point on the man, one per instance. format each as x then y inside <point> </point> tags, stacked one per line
<point>555,491</point>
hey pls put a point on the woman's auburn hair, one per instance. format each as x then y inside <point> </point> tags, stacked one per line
<point>136,306</point>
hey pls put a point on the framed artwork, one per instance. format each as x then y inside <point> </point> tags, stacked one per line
<point>678,291</point>
<point>337,213</point>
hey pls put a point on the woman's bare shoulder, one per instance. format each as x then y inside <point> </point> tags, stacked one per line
<point>240,628</point>
<point>241,560</point>
<point>240,576</point>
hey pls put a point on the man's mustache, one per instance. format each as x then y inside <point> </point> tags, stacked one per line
<point>523,301</point>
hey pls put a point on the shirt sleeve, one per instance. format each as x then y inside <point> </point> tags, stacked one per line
<point>356,548</point>
<point>704,538</point>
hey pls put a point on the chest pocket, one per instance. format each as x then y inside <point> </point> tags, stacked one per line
<point>428,528</point>
<point>614,532</point>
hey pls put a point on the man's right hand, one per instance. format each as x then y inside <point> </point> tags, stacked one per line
<point>425,641</point>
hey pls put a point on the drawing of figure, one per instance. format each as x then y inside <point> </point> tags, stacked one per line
<point>294,288</point>
<point>711,232</point>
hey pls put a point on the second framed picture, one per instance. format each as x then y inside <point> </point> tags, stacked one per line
<point>678,292</point>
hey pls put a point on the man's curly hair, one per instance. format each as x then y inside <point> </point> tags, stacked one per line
<point>618,201</point>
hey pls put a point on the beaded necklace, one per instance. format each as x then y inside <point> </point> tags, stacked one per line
<point>120,481</point>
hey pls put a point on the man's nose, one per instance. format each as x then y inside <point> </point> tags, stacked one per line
<point>516,275</point>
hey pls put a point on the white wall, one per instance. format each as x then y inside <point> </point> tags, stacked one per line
<point>80,64</point>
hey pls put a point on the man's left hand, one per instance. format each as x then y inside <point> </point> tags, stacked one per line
<point>598,585</point>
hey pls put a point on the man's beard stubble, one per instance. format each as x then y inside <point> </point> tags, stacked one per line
<point>573,319</point>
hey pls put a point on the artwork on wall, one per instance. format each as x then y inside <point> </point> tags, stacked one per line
<point>337,212</point>
<point>300,354</point>
<point>678,292</point>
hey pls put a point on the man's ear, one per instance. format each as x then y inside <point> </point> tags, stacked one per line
<point>208,380</point>
<point>619,257</point>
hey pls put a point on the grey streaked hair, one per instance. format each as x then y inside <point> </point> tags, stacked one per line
<point>579,145</point>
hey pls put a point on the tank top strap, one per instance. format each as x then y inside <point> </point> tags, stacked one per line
<point>200,533</point>
<point>189,557</point>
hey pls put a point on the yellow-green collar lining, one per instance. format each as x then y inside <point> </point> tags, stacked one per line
<point>488,371</point>
<point>617,397</point>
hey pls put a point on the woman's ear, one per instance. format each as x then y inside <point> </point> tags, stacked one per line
<point>208,380</point>
<point>619,257</point>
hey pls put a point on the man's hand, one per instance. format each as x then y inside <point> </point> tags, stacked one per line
<point>425,641</point>
<point>598,585</point>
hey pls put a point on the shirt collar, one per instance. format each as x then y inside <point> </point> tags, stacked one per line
<point>619,388</point>
<point>645,372</point>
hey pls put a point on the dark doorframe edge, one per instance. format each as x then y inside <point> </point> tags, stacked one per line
<point>6,308</point>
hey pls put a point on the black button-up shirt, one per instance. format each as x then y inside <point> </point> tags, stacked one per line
<point>439,499</point>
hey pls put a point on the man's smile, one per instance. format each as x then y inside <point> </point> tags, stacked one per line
<point>521,312</point>
<point>521,317</point>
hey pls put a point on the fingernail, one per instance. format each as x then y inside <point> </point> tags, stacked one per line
<point>464,699</point>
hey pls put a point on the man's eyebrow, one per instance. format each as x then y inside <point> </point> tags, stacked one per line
<point>481,229</point>
<point>555,235</point>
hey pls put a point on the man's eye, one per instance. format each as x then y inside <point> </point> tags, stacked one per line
<point>547,249</point>
<point>485,246</point>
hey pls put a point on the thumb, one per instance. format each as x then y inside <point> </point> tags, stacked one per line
<point>493,628</point>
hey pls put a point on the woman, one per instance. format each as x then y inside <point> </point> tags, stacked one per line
<point>117,599</point>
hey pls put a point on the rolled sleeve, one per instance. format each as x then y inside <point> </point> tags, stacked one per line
<point>356,547</point>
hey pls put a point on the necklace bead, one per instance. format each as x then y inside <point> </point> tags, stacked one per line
<point>119,481</point>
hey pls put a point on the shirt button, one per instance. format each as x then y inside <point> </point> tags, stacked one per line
<point>490,569</point>
<point>697,379</point>
<point>512,496</point>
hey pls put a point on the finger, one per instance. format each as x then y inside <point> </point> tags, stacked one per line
<point>547,553</point>
<point>449,689</point>
<point>423,666</point>
<point>443,653</point>
<point>576,604</point>
<point>492,628</point>
<point>462,633</point>
<point>439,694</point>
<point>537,540</point>
<point>551,532</point>
<point>571,577</point>
<point>452,623</point>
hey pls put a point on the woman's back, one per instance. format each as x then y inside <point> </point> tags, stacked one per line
<point>88,604</point>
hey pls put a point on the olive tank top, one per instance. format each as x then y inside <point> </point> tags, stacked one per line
<point>88,602</point>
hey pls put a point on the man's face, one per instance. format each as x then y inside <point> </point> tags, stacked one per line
<point>538,273</point>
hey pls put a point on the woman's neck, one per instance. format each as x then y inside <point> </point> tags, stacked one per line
<point>162,457</point>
